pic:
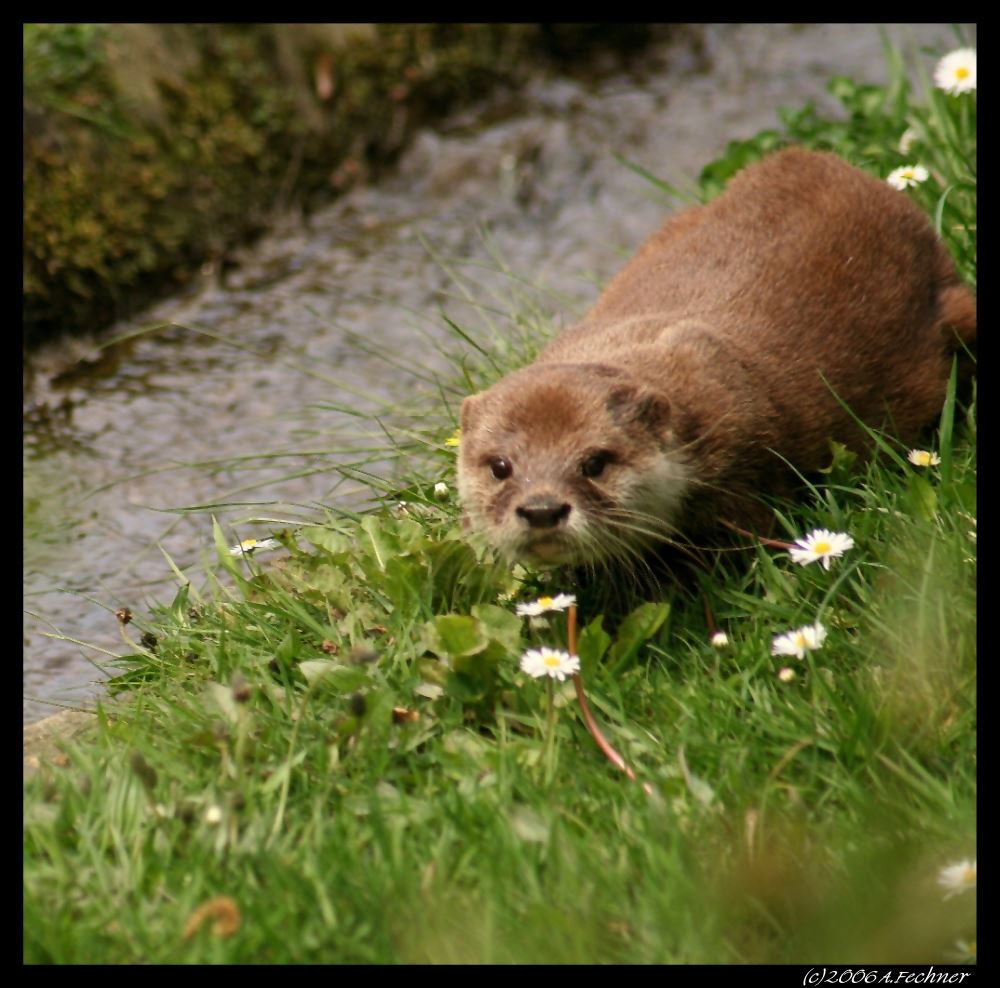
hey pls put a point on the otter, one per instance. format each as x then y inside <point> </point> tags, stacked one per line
<point>718,365</point>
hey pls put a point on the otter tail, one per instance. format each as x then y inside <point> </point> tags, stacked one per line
<point>957,309</point>
<point>957,322</point>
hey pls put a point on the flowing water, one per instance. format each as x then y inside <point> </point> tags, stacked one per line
<point>316,308</point>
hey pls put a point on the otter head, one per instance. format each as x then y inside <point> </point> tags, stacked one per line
<point>569,463</point>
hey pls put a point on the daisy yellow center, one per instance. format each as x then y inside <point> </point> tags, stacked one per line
<point>800,640</point>
<point>969,876</point>
<point>248,543</point>
<point>545,601</point>
<point>923,458</point>
<point>552,660</point>
<point>822,548</point>
<point>961,72</point>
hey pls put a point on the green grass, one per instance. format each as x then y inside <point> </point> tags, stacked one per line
<point>259,756</point>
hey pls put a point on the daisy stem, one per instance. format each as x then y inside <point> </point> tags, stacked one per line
<point>709,617</point>
<point>550,733</point>
<point>588,718</point>
<point>773,543</point>
<point>127,638</point>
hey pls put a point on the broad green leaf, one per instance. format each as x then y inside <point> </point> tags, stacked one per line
<point>921,497</point>
<point>337,675</point>
<point>593,642</point>
<point>456,635</point>
<point>637,628</point>
<point>500,624</point>
<point>841,462</point>
<point>381,545</point>
<point>326,538</point>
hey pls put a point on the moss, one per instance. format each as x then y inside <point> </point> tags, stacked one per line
<point>151,148</point>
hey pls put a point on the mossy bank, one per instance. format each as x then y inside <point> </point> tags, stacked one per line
<point>151,149</point>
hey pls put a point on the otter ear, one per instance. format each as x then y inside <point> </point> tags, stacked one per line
<point>631,406</point>
<point>470,411</point>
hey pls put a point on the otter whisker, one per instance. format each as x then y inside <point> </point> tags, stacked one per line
<point>621,549</point>
<point>658,530</point>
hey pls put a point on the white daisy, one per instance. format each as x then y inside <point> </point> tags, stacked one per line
<point>540,662</point>
<point>923,458</point>
<point>965,952</point>
<point>213,815</point>
<point>971,533</point>
<point>956,72</point>
<point>958,877</point>
<point>786,674</point>
<point>249,546</point>
<point>558,603</point>
<point>822,545</point>
<point>441,491</point>
<point>907,140</point>
<point>798,642</point>
<point>720,639</point>
<point>907,175</point>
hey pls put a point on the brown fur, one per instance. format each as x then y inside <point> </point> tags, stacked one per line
<point>716,355</point>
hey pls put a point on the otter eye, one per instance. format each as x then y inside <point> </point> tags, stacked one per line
<point>501,467</point>
<point>593,466</point>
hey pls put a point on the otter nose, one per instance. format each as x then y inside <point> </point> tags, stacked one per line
<point>543,512</point>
